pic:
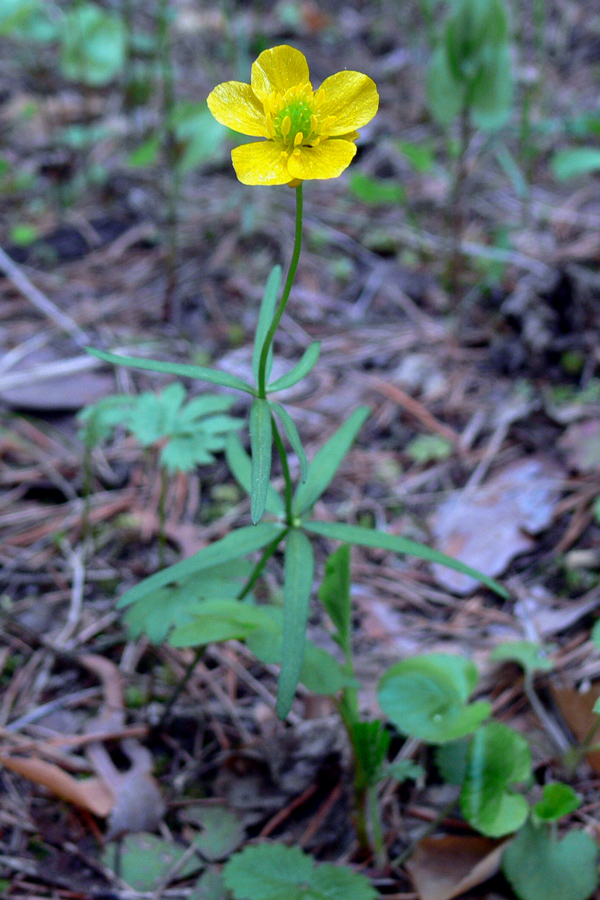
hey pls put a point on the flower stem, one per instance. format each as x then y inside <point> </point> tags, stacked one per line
<point>262,366</point>
<point>255,574</point>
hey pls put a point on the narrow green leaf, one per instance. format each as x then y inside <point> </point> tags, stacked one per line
<point>265,317</point>
<point>300,370</point>
<point>368,537</point>
<point>261,445</point>
<point>220,620</point>
<point>293,437</point>
<point>574,161</point>
<point>240,466</point>
<point>182,369</point>
<point>327,461</point>
<point>299,567</point>
<point>334,593</point>
<point>321,673</point>
<point>238,543</point>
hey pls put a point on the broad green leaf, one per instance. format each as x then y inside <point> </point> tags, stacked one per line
<point>426,697</point>
<point>219,620</point>
<point>93,44</point>
<point>327,461</point>
<point>492,93</point>
<point>240,466</point>
<point>153,416</point>
<point>575,161</point>
<point>204,405</point>
<point>428,448</point>
<point>265,317</point>
<point>334,594</point>
<point>404,770</point>
<point>539,867</point>
<point>498,758</point>
<point>200,138</point>
<point>146,154</point>
<point>321,673</point>
<point>369,537</point>
<point>100,419</point>
<point>445,95</point>
<point>173,605</point>
<point>261,446</point>
<point>420,156</point>
<point>222,831</point>
<point>233,546</point>
<point>558,800</point>
<point>277,872</point>
<point>145,859</point>
<point>376,191</point>
<point>300,370</point>
<point>451,760</point>
<point>530,656</point>
<point>298,573</point>
<point>293,437</point>
<point>210,886</point>
<point>182,369</point>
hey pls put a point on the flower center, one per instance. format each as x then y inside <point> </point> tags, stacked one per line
<point>293,118</point>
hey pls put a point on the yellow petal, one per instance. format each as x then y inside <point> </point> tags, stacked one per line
<point>278,69</point>
<point>233,104</point>
<point>260,163</point>
<point>328,160</point>
<point>352,98</point>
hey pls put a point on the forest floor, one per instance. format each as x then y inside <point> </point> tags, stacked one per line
<point>484,439</point>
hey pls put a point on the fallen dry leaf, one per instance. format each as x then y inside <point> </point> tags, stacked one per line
<point>581,442</point>
<point>89,793</point>
<point>445,867</point>
<point>131,800</point>
<point>490,525</point>
<point>576,708</point>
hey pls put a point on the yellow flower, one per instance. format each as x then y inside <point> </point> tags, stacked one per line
<point>309,134</point>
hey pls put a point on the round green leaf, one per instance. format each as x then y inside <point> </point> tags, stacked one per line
<point>277,872</point>
<point>426,697</point>
<point>558,800</point>
<point>530,656</point>
<point>542,868</point>
<point>498,757</point>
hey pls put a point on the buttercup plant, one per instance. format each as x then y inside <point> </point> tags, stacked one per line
<point>305,135</point>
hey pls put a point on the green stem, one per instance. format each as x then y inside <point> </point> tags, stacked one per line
<point>262,365</point>
<point>162,539</point>
<point>169,152</point>
<point>180,686</point>
<point>286,471</point>
<point>256,571</point>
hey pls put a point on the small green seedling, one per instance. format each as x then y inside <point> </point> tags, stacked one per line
<point>539,865</point>
<point>186,434</point>
<point>471,69</point>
